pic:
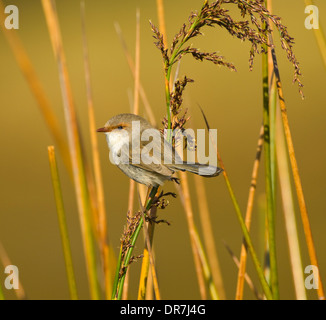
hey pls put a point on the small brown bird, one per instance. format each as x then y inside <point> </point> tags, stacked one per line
<point>144,161</point>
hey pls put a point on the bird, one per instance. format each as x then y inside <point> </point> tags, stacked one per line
<point>150,167</point>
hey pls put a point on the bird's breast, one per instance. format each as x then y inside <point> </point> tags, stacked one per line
<point>117,140</point>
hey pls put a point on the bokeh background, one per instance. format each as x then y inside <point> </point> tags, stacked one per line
<point>232,101</point>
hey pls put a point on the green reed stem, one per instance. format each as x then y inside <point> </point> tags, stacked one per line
<point>124,263</point>
<point>246,235</point>
<point>168,69</point>
<point>117,272</point>
<point>62,223</point>
<point>269,162</point>
<point>206,267</point>
<point>75,147</point>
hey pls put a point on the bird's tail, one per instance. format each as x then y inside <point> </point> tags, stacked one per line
<point>197,168</point>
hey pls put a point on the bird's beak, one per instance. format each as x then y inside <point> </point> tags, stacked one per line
<point>104,129</point>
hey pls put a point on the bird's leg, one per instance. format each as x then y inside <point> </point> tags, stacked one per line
<point>162,194</point>
<point>176,180</point>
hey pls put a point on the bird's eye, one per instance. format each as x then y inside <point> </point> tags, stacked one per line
<point>120,127</point>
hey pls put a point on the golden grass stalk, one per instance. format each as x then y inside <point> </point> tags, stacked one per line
<point>125,255</point>
<point>296,176</point>
<point>36,88</point>
<point>262,279</point>
<point>82,194</point>
<point>144,273</point>
<point>137,64</point>
<point>149,240</point>
<point>62,223</point>
<point>131,195</point>
<point>207,231</point>
<point>192,233</point>
<point>150,291</point>
<point>206,268</point>
<point>250,203</point>
<point>138,92</point>
<point>182,175</point>
<point>132,68</point>
<point>246,276</point>
<point>272,104</point>
<point>132,183</point>
<point>289,214</point>
<point>161,19</point>
<point>147,260</point>
<point>100,200</point>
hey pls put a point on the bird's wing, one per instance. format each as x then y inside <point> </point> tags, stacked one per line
<point>150,157</point>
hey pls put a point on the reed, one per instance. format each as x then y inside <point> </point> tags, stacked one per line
<point>248,217</point>
<point>62,223</point>
<point>289,212</point>
<point>101,228</point>
<point>26,67</point>
<point>247,237</point>
<point>132,183</point>
<point>75,148</point>
<point>207,231</point>
<point>269,186</point>
<point>296,176</point>
<point>177,88</point>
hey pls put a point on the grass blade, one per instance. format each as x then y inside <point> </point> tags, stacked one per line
<point>131,65</point>
<point>296,176</point>
<point>184,190</point>
<point>149,241</point>
<point>269,179</point>
<point>289,214</point>
<point>62,223</point>
<point>27,69</point>
<point>82,193</point>
<point>207,271</point>
<point>132,183</point>
<point>250,203</point>
<point>246,277</point>
<point>264,284</point>
<point>102,221</point>
<point>208,236</point>
<point>123,265</point>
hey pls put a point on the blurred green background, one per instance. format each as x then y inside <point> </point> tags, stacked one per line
<point>232,102</point>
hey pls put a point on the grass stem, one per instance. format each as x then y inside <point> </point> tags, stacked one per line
<point>296,176</point>
<point>80,180</point>
<point>62,223</point>
<point>269,179</point>
<point>250,203</point>
<point>289,212</point>
<point>100,200</point>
